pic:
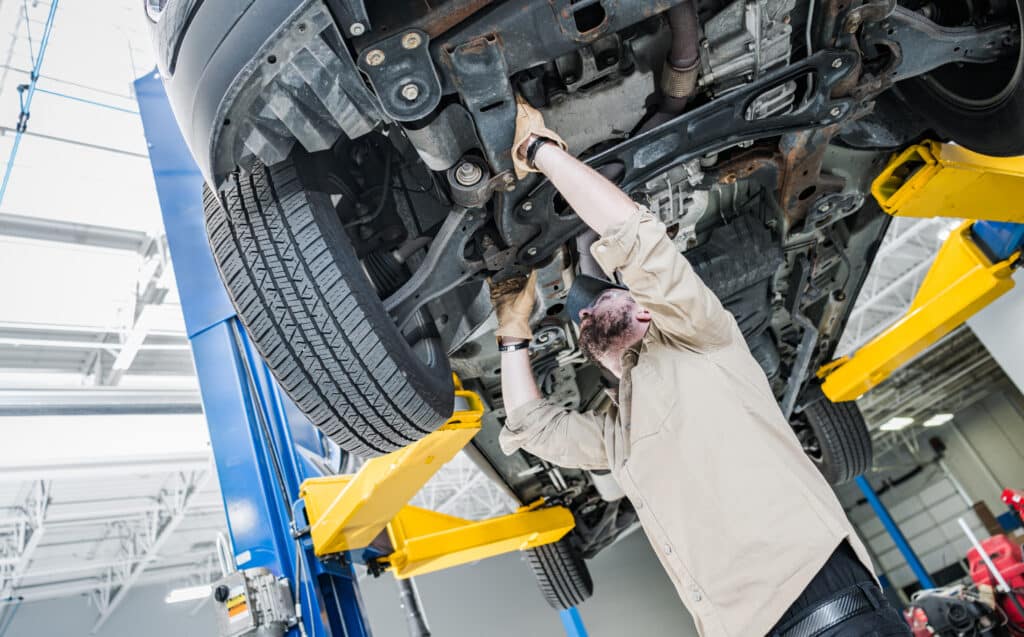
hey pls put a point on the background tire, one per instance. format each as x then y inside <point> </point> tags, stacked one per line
<point>561,574</point>
<point>980,106</point>
<point>313,314</point>
<point>842,437</point>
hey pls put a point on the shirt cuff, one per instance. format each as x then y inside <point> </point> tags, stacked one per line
<point>612,251</point>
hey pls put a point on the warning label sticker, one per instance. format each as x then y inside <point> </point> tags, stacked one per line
<point>238,608</point>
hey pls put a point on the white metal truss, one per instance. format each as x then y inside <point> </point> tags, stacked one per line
<point>142,545</point>
<point>461,489</point>
<point>18,543</point>
<point>903,259</point>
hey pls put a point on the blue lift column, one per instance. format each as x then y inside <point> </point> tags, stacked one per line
<point>894,531</point>
<point>262,443</point>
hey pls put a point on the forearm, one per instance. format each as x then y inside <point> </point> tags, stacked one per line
<point>597,201</point>
<point>517,384</point>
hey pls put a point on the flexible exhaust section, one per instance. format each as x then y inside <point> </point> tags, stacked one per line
<point>679,75</point>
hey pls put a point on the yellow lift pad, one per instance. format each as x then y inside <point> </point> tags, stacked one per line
<point>945,180</point>
<point>351,511</point>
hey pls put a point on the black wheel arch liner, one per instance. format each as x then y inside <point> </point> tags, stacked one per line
<point>212,52</point>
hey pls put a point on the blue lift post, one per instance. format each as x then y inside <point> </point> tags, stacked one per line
<point>258,435</point>
<point>894,531</point>
<point>262,443</point>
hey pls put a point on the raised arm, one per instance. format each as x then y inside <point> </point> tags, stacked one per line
<point>634,243</point>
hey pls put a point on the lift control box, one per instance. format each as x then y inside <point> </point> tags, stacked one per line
<point>253,603</point>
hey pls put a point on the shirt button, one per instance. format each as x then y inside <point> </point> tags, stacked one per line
<point>668,549</point>
<point>696,596</point>
<point>638,506</point>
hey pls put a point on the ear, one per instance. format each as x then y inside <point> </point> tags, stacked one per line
<point>642,314</point>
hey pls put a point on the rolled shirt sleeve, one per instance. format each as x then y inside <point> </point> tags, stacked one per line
<point>663,281</point>
<point>561,436</point>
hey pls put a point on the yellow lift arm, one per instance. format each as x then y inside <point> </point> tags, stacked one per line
<point>351,511</point>
<point>931,180</point>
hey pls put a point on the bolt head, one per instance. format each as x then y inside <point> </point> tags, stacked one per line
<point>528,206</point>
<point>468,173</point>
<point>509,187</point>
<point>357,28</point>
<point>836,111</point>
<point>375,57</point>
<point>411,40</point>
<point>410,92</point>
<point>532,252</point>
<point>836,63</point>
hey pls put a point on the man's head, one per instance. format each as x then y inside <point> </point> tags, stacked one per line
<point>610,320</point>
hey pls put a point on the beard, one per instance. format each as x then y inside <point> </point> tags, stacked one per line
<point>605,331</point>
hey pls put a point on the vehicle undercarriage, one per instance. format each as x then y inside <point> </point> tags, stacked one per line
<point>379,134</point>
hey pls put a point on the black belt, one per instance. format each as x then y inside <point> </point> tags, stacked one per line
<point>835,610</point>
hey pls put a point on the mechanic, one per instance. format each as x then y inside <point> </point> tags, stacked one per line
<point>748,530</point>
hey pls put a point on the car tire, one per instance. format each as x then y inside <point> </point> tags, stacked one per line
<point>562,575</point>
<point>977,107</point>
<point>842,436</point>
<point>315,317</point>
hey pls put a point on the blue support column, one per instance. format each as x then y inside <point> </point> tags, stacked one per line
<point>897,536</point>
<point>572,622</point>
<point>261,441</point>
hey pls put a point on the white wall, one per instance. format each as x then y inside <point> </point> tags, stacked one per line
<point>989,456</point>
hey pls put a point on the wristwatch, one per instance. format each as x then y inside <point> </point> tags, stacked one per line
<point>513,347</point>
<point>532,147</point>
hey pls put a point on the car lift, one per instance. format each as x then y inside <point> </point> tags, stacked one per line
<point>296,530</point>
<point>972,268</point>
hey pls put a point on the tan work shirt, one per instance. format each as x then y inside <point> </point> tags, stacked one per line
<point>739,516</point>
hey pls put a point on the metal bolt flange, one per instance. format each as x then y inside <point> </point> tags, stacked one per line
<point>532,252</point>
<point>375,57</point>
<point>528,206</point>
<point>836,111</point>
<point>411,40</point>
<point>468,173</point>
<point>357,29</point>
<point>410,92</point>
<point>836,63</point>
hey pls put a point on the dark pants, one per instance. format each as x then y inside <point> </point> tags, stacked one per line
<point>842,573</point>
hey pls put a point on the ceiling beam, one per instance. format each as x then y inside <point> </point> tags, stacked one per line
<point>27,227</point>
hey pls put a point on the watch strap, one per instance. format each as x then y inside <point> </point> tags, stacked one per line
<point>513,347</point>
<point>532,147</point>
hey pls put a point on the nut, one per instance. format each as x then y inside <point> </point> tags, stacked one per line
<point>357,28</point>
<point>468,173</point>
<point>836,63</point>
<point>375,57</point>
<point>411,40</point>
<point>410,92</point>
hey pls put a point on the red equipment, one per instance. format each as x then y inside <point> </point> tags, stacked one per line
<point>1006,556</point>
<point>1015,500</point>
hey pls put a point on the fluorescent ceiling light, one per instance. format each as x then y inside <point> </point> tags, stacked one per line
<point>187,594</point>
<point>938,419</point>
<point>896,423</point>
